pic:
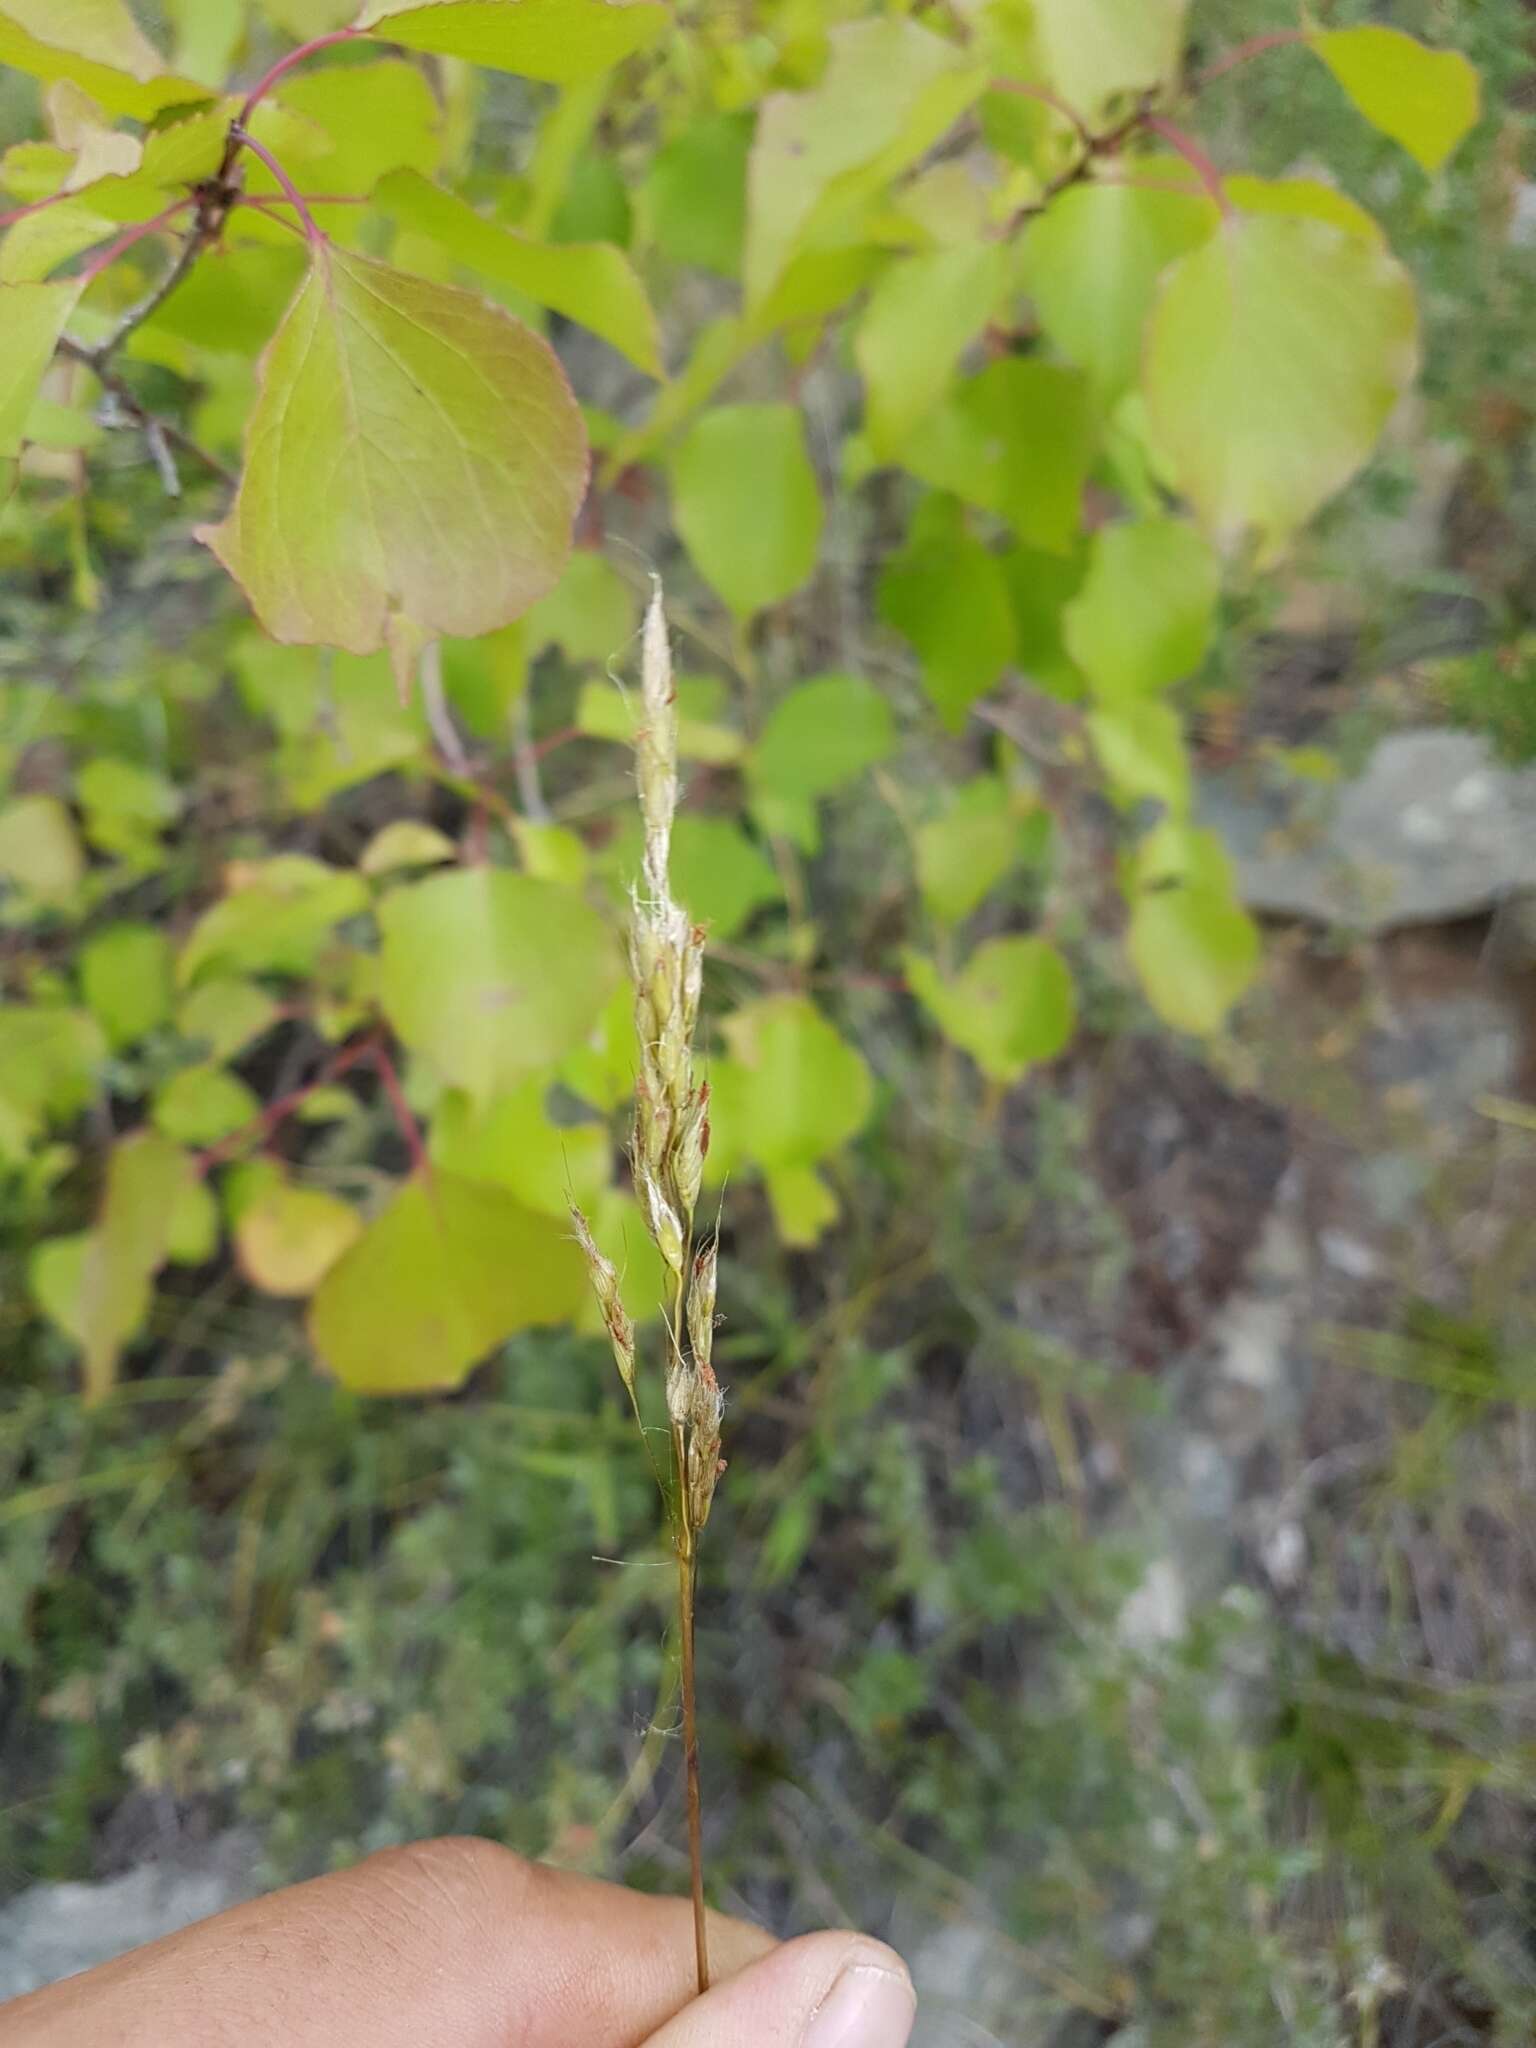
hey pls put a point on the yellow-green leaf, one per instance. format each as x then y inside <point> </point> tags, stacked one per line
<point>32,318</point>
<point>126,979</point>
<point>40,851</point>
<point>592,283</point>
<point>747,503</point>
<point>287,1238</point>
<point>1095,49</point>
<point>276,919</point>
<point>1424,99</point>
<point>791,1093</point>
<point>447,1272</point>
<point>1011,1006</point>
<point>415,456</point>
<point>406,843</point>
<point>922,315</point>
<point>97,45</point>
<point>492,975</point>
<point>512,1142</point>
<point>948,595</point>
<point>1141,750</point>
<point>200,1105</point>
<point>1275,354</point>
<point>966,851</point>
<point>1144,614</point>
<point>1193,945</point>
<point>820,737</point>
<point>558,40</point>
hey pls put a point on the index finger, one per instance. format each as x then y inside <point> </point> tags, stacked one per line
<point>448,1944</point>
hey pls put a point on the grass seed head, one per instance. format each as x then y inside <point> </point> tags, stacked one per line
<point>604,1276</point>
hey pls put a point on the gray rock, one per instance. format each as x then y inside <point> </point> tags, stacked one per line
<point>1436,828</point>
<point>54,1930</point>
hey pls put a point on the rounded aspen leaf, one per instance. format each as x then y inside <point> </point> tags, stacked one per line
<point>413,465</point>
<point>1011,1005</point>
<point>1192,943</point>
<point>288,1238</point>
<point>492,975</point>
<point>557,40</point>
<point>747,503</point>
<point>447,1272</point>
<point>1424,99</point>
<point>1275,353</point>
<point>1144,614</point>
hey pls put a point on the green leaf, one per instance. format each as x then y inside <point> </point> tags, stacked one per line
<point>32,318</point>
<point>1091,264</point>
<point>720,876</point>
<point>1193,945</point>
<point>589,615</point>
<point>406,843</point>
<point>97,1286</point>
<point>922,315</point>
<point>415,459</point>
<point>1303,199</point>
<point>1041,586</point>
<point>446,1273</point>
<point>127,982</point>
<point>287,1238</point>
<point>947,594</point>
<point>820,737</point>
<point>96,45</point>
<point>821,153</point>
<point>747,503</point>
<point>492,975</point>
<point>558,40</point>
<point>48,1069</point>
<point>200,1105</point>
<point>804,1207</point>
<point>963,854</point>
<point>1015,439</point>
<point>1095,49</point>
<point>512,1142</point>
<point>1424,99</point>
<point>223,1016</point>
<point>612,714</point>
<point>192,1233</point>
<point>277,918</point>
<point>1144,615</point>
<point>40,851</point>
<point>126,806</point>
<point>695,193</point>
<point>358,123</point>
<point>1011,1006</point>
<point>1141,750</point>
<point>592,283</point>
<point>1275,354</point>
<point>791,1093</point>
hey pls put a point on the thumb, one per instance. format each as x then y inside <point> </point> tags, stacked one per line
<point>823,1991</point>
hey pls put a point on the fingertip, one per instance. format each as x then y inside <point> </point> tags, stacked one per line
<point>820,1991</point>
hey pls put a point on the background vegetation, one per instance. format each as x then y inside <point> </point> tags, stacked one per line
<point>1121,1592</point>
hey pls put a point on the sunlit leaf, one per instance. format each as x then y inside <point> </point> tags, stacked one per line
<point>747,503</point>
<point>200,1105</point>
<point>447,1272</point>
<point>406,843</point>
<point>1275,354</point>
<point>287,1238</point>
<point>696,193</point>
<point>492,975</point>
<point>1141,750</point>
<point>558,40</point>
<point>1424,99</point>
<point>592,283</point>
<point>1094,49</point>
<point>512,1142</point>
<point>1011,1006</point>
<point>1091,264</point>
<point>1144,615</point>
<point>97,45</point>
<point>48,1066</point>
<point>811,147</point>
<point>964,853</point>
<point>276,919</point>
<point>414,455</point>
<point>40,852</point>
<point>223,1015</point>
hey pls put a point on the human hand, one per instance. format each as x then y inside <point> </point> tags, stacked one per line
<point>460,1944</point>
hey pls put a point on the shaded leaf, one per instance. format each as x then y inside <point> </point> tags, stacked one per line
<point>922,315</point>
<point>276,919</point>
<point>48,1066</point>
<point>492,975</point>
<point>696,193</point>
<point>512,1142</point>
<point>414,455</point>
<point>40,852</point>
<point>1015,439</point>
<point>447,1272</point>
<point>820,737</point>
<point>406,843</point>
<point>962,855</point>
<point>200,1105</point>
<point>1141,750</point>
<point>947,594</point>
<point>558,40</point>
<point>1011,1006</point>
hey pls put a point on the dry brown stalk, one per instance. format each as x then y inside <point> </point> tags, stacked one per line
<point>669,1146</point>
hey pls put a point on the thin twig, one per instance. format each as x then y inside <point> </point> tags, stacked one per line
<point>191,248</point>
<point>244,140</point>
<point>1275,39</point>
<point>1047,98</point>
<point>525,759</point>
<point>1195,157</point>
<point>138,414</point>
<point>264,85</point>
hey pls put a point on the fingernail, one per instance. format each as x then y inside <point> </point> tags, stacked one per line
<point>872,2005</point>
